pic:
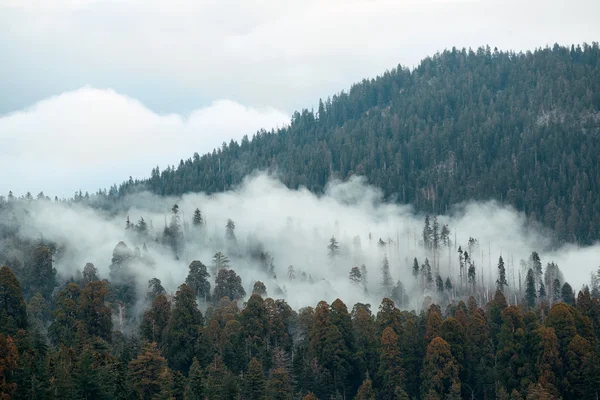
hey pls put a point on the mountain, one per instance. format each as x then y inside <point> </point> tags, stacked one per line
<point>523,129</point>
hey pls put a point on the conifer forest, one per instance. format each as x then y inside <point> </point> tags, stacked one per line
<point>429,234</point>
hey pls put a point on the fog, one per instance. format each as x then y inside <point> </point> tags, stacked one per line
<point>295,227</point>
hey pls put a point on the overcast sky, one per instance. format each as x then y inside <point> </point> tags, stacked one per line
<point>93,91</point>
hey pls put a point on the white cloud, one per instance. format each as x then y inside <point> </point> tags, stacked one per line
<point>281,53</point>
<point>91,138</point>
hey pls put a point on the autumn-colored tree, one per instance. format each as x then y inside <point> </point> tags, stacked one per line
<point>146,371</point>
<point>440,371</point>
<point>433,322</point>
<point>365,391</point>
<point>549,362</point>
<point>13,310</point>
<point>9,358</point>
<point>561,318</point>
<point>279,385</point>
<point>310,396</point>
<point>391,374</point>
<point>388,316</point>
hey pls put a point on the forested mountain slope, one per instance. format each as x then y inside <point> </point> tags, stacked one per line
<point>520,128</point>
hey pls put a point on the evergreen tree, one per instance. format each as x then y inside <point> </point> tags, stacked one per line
<point>530,292</point>
<point>197,220</point>
<point>90,274</point>
<point>440,372</point>
<point>220,261</point>
<point>13,309</point>
<point>333,248</point>
<point>197,279</point>
<point>439,284</point>
<point>230,231</point>
<point>182,330</point>
<point>501,281</point>
<point>387,284</point>
<point>156,289</point>
<point>254,381</point>
<point>195,386</point>
<point>567,295</point>
<point>228,284</point>
<point>355,276</point>
<point>146,370</point>
<point>415,269</point>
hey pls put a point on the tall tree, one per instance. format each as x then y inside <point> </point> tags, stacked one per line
<point>440,372</point>
<point>228,284</point>
<point>333,248</point>
<point>183,329</point>
<point>387,284</point>
<point>197,279</point>
<point>13,309</point>
<point>530,292</point>
<point>501,281</point>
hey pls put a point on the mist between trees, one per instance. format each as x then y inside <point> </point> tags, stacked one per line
<point>347,243</point>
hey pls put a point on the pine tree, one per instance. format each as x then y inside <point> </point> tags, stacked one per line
<point>530,292</point>
<point>448,285</point>
<point>13,309</point>
<point>254,381</point>
<point>556,294</point>
<point>195,386</point>
<point>197,220</point>
<point>142,227</point>
<point>542,291</point>
<point>387,283</point>
<point>501,281</point>
<point>355,276</point>
<point>230,231</point>
<point>427,234</point>
<point>415,268</point>
<point>363,273</point>
<point>333,248</point>
<point>291,274</point>
<point>439,284</point>
<point>220,261</point>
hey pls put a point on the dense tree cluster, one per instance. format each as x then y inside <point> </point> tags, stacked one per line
<point>519,128</point>
<point>67,347</point>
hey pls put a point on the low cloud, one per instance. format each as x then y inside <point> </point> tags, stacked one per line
<point>91,138</point>
<point>295,227</point>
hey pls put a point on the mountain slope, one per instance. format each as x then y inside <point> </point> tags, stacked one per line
<point>520,128</point>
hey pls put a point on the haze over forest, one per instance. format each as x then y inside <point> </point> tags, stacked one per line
<point>430,233</point>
